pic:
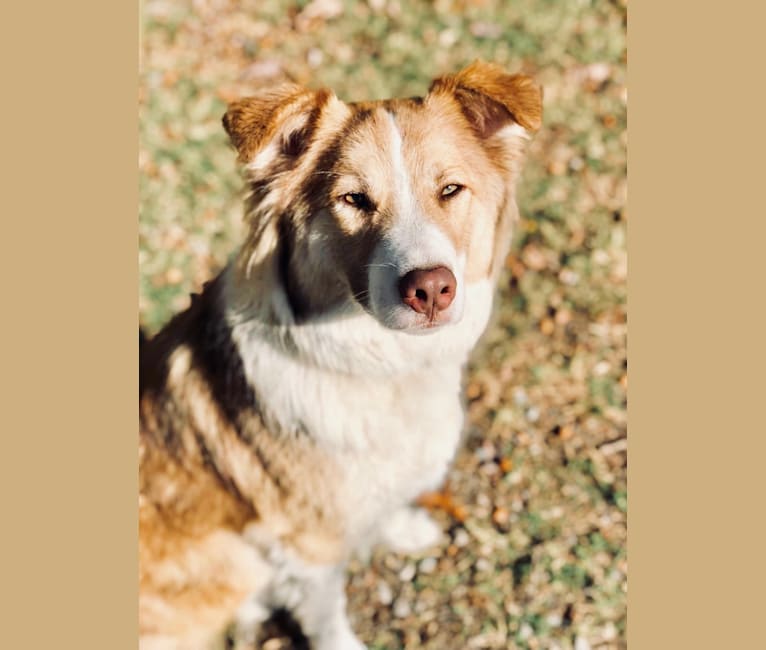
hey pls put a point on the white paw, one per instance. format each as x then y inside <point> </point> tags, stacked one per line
<point>351,643</point>
<point>410,530</point>
<point>247,623</point>
<point>343,641</point>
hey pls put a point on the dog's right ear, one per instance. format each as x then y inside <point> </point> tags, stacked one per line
<point>490,98</point>
<point>279,121</point>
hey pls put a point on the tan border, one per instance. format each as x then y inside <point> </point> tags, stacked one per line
<point>696,239</point>
<point>69,325</point>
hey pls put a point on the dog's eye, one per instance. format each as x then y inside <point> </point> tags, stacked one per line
<point>450,190</point>
<point>359,200</point>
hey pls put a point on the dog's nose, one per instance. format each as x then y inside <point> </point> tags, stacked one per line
<point>428,291</point>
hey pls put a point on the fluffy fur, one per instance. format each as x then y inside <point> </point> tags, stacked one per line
<point>293,413</point>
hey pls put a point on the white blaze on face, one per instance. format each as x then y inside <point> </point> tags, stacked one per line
<point>412,242</point>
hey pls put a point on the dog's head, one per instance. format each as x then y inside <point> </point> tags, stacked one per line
<point>399,206</point>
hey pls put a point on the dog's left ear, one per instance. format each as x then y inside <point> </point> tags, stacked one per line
<point>284,115</point>
<point>491,99</point>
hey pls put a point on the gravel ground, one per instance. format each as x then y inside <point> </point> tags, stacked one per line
<point>535,510</point>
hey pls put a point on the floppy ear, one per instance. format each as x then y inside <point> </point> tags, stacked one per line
<point>491,99</point>
<point>284,117</point>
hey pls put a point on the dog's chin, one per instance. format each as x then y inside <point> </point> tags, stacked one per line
<point>402,319</point>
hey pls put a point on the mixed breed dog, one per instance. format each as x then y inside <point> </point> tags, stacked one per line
<point>294,412</point>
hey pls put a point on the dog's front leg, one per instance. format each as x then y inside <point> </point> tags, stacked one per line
<point>321,610</point>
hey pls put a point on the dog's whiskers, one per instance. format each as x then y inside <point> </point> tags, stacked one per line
<point>384,265</point>
<point>361,295</point>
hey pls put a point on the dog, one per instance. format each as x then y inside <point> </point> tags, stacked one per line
<point>293,413</point>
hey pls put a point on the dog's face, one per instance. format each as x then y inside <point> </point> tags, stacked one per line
<point>400,205</point>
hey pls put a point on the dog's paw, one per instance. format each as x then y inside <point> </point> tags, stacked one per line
<point>345,640</point>
<point>410,530</point>
<point>247,623</point>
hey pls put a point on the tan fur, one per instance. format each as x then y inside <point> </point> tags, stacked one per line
<point>219,470</point>
<point>519,95</point>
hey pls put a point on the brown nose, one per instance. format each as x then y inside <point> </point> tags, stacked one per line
<point>428,291</point>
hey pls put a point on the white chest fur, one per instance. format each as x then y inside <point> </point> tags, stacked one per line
<point>385,404</point>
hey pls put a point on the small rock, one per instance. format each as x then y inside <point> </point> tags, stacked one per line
<point>569,277</point>
<point>526,631</point>
<point>534,258</point>
<point>610,632</point>
<point>581,643</point>
<point>385,595</point>
<point>600,257</point>
<point>407,573</point>
<point>601,368</point>
<point>447,38</point>
<point>481,29</point>
<point>576,163</point>
<point>402,609</point>
<point>489,469</point>
<point>563,316</point>
<point>486,452</point>
<point>174,275</point>
<point>427,565</point>
<point>598,73</point>
<point>462,538</point>
<point>520,396</point>
<point>483,500</point>
<point>501,516</point>
<point>315,57</point>
<point>474,390</point>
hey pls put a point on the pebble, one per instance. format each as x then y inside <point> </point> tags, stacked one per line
<point>427,565</point>
<point>581,643</point>
<point>407,573</point>
<point>533,414</point>
<point>601,368</point>
<point>600,257</point>
<point>486,452</point>
<point>482,29</point>
<point>610,632</point>
<point>569,277</point>
<point>483,500</point>
<point>489,469</point>
<point>500,516</point>
<point>402,609</point>
<point>314,57</point>
<point>525,631</point>
<point>462,538</point>
<point>385,595</point>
